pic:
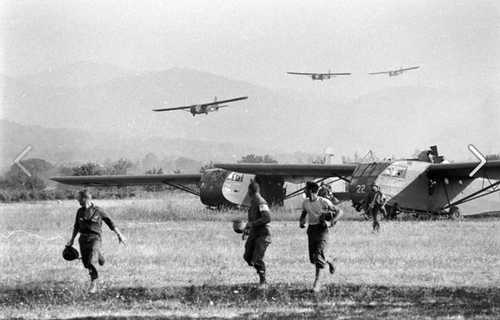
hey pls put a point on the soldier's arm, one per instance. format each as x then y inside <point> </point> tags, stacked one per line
<point>334,200</point>
<point>338,214</point>
<point>75,232</point>
<point>327,210</point>
<point>330,205</point>
<point>265,217</point>
<point>302,220</point>
<point>107,220</point>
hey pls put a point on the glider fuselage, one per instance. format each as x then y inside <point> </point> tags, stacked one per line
<point>405,183</point>
<point>402,182</point>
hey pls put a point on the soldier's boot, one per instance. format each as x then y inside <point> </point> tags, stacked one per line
<point>317,286</point>
<point>262,280</point>
<point>101,259</point>
<point>331,267</point>
<point>93,286</point>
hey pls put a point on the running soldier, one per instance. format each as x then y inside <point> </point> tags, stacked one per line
<point>257,230</point>
<point>88,223</point>
<point>375,204</point>
<point>325,191</point>
<point>320,214</point>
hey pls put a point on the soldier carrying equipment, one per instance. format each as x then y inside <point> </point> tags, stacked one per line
<point>319,213</point>
<point>375,204</point>
<point>259,235</point>
<point>88,223</point>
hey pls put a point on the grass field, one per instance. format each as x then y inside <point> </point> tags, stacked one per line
<point>185,261</point>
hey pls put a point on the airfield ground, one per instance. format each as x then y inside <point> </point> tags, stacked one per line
<point>185,261</point>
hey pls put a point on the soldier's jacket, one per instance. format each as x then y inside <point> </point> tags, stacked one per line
<point>259,216</point>
<point>375,198</point>
<point>317,211</point>
<point>89,220</point>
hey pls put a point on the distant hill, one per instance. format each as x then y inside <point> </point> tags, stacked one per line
<point>395,120</point>
<point>124,105</point>
<point>62,145</point>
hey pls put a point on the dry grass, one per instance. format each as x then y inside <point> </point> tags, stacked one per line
<point>182,259</point>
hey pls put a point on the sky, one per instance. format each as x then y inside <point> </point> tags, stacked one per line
<point>456,43</point>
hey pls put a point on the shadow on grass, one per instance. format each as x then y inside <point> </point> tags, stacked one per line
<point>279,301</point>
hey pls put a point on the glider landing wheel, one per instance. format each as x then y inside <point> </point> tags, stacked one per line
<point>455,213</point>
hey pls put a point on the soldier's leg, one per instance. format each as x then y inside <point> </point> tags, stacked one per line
<point>318,266</point>
<point>329,261</point>
<point>96,255</point>
<point>310,246</point>
<point>90,251</point>
<point>95,259</point>
<point>317,238</point>
<point>85,252</point>
<point>316,286</point>
<point>98,252</point>
<point>383,211</point>
<point>249,249</point>
<point>259,252</point>
<point>376,225</point>
<point>331,266</point>
<point>93,273</point>
<point>320,258</point>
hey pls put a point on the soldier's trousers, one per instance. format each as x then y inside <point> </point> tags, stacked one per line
<point>373,212</point>
<point>317,238</point>
<point>90,250</point>
<point>255,249</point>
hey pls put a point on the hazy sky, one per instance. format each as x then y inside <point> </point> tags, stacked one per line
<point>457,43</point>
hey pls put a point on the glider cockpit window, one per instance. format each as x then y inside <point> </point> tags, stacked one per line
<point>395,171</point>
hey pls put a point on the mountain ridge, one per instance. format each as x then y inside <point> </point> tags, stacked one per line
<point>63,145</point>
<point>393,120</point>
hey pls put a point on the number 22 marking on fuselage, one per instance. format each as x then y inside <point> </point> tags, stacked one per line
<point>360,188</point>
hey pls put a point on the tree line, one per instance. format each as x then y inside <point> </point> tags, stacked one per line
<point>16,185</point>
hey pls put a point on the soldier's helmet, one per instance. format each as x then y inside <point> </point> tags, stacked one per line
<point>69,253</point>
<point>238,226</point>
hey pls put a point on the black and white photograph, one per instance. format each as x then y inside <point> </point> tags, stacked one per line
<point>249,159</point>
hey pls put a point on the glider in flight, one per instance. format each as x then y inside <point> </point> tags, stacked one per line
<point>203,108</point>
